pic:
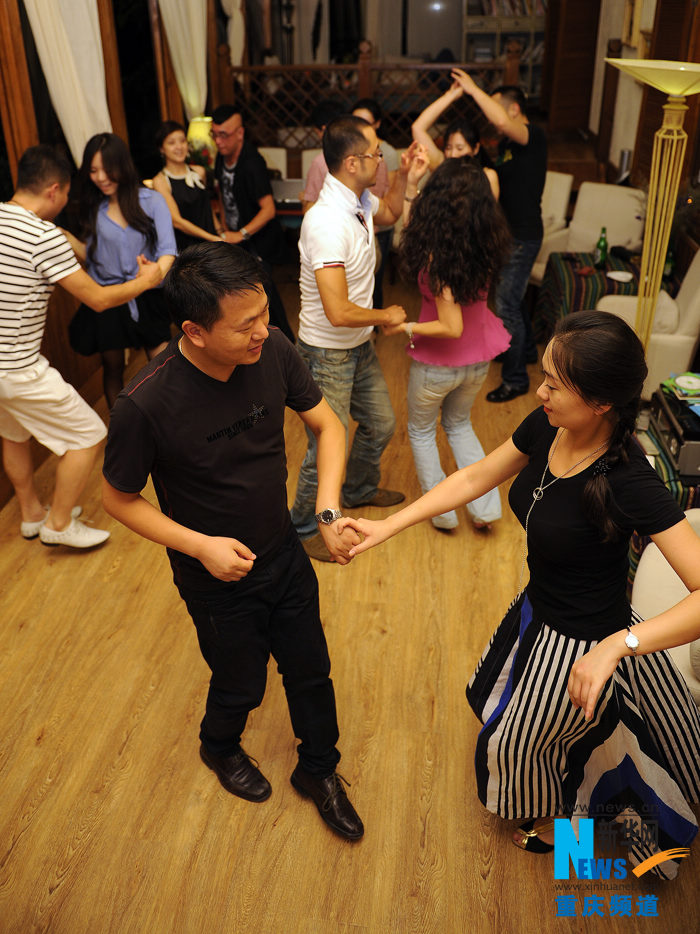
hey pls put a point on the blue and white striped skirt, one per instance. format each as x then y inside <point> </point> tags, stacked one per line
<point>637,760</point>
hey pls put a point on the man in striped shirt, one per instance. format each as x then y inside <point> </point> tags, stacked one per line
<point>34,399</point>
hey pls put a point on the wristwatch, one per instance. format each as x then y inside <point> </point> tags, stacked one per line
<point>328,516</point>
<point>244,233</point>
<point>632,642</point>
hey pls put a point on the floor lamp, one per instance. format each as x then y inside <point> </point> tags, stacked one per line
<point>678,80</point>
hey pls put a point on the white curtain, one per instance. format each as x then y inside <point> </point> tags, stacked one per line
<point>185,23</point>
<point>235,32</point>
<point>67,36</point>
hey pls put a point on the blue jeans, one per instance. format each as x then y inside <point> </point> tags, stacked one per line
<point>272,611</point>
<point>353,384</point>
<point>509,299</point>
<point>452,389</point>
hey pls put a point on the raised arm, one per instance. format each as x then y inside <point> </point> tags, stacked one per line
<point>422,124</point>
<point>491,109</point>
<point>459,488</point>
<point>677,626</point>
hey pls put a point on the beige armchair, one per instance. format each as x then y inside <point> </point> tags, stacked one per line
<point>555,201</point>
<point>619,209</point>
<point>656,588</point>
<point>674,336</point>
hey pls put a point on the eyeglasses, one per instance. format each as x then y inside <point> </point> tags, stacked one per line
<point>368,155</point>
<point>220,134</point>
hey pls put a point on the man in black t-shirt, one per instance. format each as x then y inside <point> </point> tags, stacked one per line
<point>522,167</point>
<point>248,207</point>
<point>206,420</point>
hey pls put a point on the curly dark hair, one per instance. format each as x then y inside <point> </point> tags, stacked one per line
<point>457,232</point>
<point>118,164</point>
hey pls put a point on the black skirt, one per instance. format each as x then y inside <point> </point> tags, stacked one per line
<point>91,332</point>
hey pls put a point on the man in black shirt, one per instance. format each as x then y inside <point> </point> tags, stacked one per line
<point>521,166</point>
<point>205,419</point>
<point>248,207</point>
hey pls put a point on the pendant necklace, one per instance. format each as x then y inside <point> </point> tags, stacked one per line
<point>538,492</point>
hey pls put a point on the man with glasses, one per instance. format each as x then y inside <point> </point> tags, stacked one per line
<point>336,321</point>
<point>248,207</point>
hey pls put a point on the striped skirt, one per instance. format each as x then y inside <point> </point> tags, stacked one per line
<point>636,763</point>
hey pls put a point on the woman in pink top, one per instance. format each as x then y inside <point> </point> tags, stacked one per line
<point>454,244</point>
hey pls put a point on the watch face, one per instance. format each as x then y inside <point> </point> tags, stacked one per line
<point>327,516</point>
<point>631,641</point>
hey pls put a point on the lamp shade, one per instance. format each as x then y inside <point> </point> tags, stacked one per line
<point>198,132</point>
<point>679,79</point>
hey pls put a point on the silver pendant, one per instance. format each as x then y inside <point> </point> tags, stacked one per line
<point>537,493</point>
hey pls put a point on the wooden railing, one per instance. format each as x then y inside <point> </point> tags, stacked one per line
<point>276,100</point>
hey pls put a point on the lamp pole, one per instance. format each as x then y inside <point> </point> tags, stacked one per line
<point>677,80</point>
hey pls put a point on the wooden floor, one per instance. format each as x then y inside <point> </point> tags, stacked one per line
<point>110,823</point>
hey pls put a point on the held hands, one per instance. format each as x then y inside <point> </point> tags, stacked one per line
<point>393,329</point>
<point>395,316</point>
<point>232,236</point>
<point>150,273</point>
<point>589,675</point>
<point>408,155</point>
<point>373,533</point>
<point>464,81</point>
<point>339,541</point>
<point>226,558</point>
<point>419,165</point>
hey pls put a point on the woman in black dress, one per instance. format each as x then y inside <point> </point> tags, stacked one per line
<point>184,188</point>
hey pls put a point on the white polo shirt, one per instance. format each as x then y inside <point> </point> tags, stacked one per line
<point>338,231</point>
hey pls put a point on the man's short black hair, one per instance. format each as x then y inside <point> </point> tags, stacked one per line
<point>40,166</point>
<point>514,94</point>
<point>224,113</point>
<point>205,273</point>
<point>342,138</point>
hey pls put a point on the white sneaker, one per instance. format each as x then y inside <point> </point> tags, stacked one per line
<point>31,529</point>
<point>75,535</point>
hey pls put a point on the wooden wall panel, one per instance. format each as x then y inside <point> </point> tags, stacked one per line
<point>572,33</point>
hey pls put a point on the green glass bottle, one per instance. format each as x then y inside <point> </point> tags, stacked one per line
<point>600,255</point>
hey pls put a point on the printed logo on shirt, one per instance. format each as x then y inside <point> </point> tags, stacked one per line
<point>243,424</point>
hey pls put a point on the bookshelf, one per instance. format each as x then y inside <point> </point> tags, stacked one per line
<point>490,27</point>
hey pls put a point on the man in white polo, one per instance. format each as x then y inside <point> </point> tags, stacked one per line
<point>34,398</point>
<point>337,319</point>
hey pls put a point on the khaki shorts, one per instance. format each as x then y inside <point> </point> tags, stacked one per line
<point>38,401</point>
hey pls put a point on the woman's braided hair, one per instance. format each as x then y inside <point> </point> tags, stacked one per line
<point>599,356</point>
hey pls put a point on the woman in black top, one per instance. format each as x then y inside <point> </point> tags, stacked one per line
<point>584,715</point>
<point>184,188</point>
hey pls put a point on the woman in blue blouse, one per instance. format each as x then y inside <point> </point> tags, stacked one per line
<point>123,224</point>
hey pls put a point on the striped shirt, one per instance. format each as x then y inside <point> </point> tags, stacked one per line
<point>34,255</point>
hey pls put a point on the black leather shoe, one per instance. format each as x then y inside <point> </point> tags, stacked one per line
<point>505,393</point>
<point>331,800</point>
<point>238,775</point>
